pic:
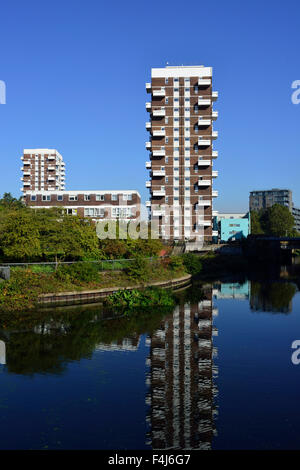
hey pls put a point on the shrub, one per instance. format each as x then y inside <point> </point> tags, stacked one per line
<point>138,269</point>
<point>81,271</point>
<point>176,263</point>
<point>128,299</point>
<point>192,263</point>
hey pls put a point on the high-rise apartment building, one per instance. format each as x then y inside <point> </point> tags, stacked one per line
<point>267,198</point>
<point>181,151</point>
<point>43,170</point>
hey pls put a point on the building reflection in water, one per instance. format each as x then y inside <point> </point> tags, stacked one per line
<point>2,353</point>
<point>125,344</point>
<point>181,378</point>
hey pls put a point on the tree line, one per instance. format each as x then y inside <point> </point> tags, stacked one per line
<point>32,235</point>
<point>275,221</point>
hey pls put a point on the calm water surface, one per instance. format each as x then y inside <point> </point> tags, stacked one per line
<point>216,373</point>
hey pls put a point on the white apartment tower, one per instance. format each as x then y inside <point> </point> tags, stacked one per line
<point>43,170</point>
<point>181,151</point>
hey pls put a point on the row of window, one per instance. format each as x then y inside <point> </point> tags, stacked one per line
<point>87,197</point>
<point>123,212</point>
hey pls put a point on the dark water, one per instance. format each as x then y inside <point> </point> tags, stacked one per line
<point>215,373</point>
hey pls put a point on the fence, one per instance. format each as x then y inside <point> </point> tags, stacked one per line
<point>104,265</point>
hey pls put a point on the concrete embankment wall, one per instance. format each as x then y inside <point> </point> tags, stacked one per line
<point>90,296</point>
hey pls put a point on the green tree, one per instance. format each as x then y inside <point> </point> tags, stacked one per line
<point>279,221</point>
<point>256,228</point>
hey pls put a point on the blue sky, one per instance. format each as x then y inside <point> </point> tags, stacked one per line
<point>75,73</point>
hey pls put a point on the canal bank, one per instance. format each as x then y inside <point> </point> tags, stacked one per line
<point>91,296</point>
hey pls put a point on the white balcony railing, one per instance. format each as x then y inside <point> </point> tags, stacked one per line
<point>148,145</point>
<point>214,95</point>
<point>215,233</point>
<point>215,173</point>
<point>158,133</point>
<point>215,153</point>
<point>159,112</point>
<point>215,213</point>
<point>203,142</point>
<point>204,101</point>
<point>148,87</point>
<point>158,172</point>
<point>157,212</point>
<point>204,182</point>
<point>204,81</point>
<point>148,126</point>
<point>204,162</point>
<point>148,184</point>
<point>159,153</point>
<point>148,106</point>
<point>215,115</point>
<point>215,134</point>
<point>148,203</point>
<point>215,193</point>
<point>204,223</point>
<point>203,122</point>
<point>159,93</point>
<point>148,165</point>
<point>159,192</point>
<point>204,203</point>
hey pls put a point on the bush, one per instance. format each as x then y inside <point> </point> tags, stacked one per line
<point>81,271</point>
<point>176,263</point>
<point>192,263</point>
<point>128,299</point>
<point>138,269</point>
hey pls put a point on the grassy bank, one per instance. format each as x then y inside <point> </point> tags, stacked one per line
<point>22,290</point>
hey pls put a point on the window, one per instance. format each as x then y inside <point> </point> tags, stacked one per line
<point>73,198</point>
<point>46,198</point>
<point>176,100</point>
<point>87,197</point>
<point>166,81</point>
<point>114,197</point>
<point>59,197</point>
<point>33,198</point>
<point>127,197</point>
<point>167,120</point>
<point>99,197</point>
<point>167,100</point>
<point>167,140</point>
<point>167,199</point>
<point>196,88</point>
<point>167,159</point>
<point>167,179</point>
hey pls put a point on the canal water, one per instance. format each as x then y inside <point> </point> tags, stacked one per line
<point>216,372</point>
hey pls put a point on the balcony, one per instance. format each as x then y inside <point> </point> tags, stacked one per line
<point>158,192</point>
<point>215,173</point>
<point>148,126</point>
<point>215,193</point>
<point>157,212</point>
<point>158,133</point>
<point>214,95</point>
<point>148,203</point>
<point>51,168</point>
<point>204,81</point>
<point>148,184</point>
<point>51,157</point>
<point>204,182</point>
<point>148,106</point>
<point>215,115</point>
<point>27,183</point>
<point>204,162</point>
<point>158,153</point>
<point>148,145</point>
<point>158,112</point>
<point>204,223</point>
<point>215,153</point>
<point>158,173</point>
<point>148,165</point>
<point>26,173</point>
<point>203,203</point>
<point>215,233</point>
<point>204,101</point>
<point>215,213</point>
<point>159,93</point>
<point>203,142</point>
<point>202,122</point>
<point>148,87</point>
